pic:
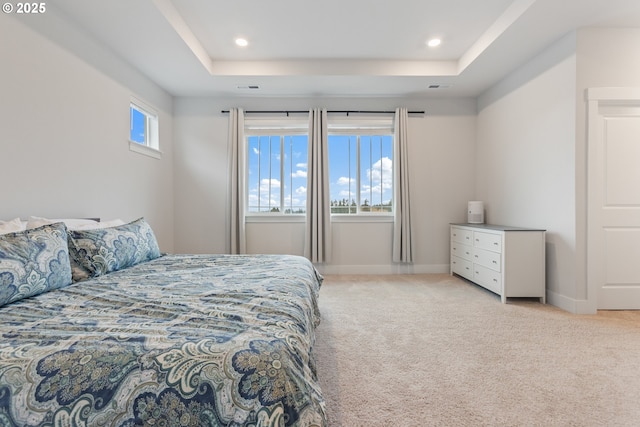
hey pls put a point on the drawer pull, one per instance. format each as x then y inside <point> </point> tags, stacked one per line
<point>495,280</point>
<point>494,262</point>
<point>495,243</point>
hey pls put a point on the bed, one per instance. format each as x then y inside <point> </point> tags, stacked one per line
<point>98,328</point>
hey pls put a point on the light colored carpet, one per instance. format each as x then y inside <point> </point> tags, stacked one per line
<point>433,350</point>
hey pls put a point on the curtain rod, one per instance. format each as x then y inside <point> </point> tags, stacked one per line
<point>347,112</point>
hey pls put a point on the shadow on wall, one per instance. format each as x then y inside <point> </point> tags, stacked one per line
<point>551,276</point>
<point>555,55</point>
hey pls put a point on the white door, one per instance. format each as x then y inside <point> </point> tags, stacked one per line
<point>613,254</point>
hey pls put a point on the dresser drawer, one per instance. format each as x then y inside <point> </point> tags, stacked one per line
<point>461,235</point>
<point>462,267</point>
<point>488,241</point>
<point>462,251</point>
<point>492,260</point>
<point>487,278</point>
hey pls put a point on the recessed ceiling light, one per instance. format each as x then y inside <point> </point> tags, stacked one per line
<point>434,42</point>
<point>242,42</point>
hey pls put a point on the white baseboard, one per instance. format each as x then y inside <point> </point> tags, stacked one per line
<point>571,305</point>
<point>384,269</point>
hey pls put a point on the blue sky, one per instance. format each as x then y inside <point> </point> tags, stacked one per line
<point>265,182</point>
<point>137,126</point>
<point>376,154</point>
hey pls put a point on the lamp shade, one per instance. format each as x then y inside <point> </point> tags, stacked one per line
<point>475,212</point>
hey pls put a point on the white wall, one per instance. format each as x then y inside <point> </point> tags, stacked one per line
<point>532,147</point>
<point>442,152</point>
<point>526,159</point>
<point>606,57</point>
<point>64,126</point>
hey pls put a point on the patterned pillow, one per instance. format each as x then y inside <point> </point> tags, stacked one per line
<point>104,250</point>
<point>33,261</point>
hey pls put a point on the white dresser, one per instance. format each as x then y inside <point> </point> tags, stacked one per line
<point>509,261</point>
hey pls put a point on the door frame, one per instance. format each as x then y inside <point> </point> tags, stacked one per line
<point>597,98</point>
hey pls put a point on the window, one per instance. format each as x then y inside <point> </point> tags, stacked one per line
<point>143,129</point>
<point>361,166</point>
<point>276,166</point>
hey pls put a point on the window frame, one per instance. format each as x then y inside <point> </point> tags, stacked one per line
<point>282,127</point>
<point>360,126</point>
<point>151,145</point>
<point>371,125</point>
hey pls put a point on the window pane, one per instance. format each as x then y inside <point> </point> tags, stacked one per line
<point>361,173</point>
<point>137,127</point>
<point>253,174</point>
<point>295,174</point>
<point>376,153</point>
<point>264,174</point>
<point>343,169</point>
<point>277,174</point>
<point>271,183</point>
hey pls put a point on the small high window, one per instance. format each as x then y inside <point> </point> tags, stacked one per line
<point>143,129</point>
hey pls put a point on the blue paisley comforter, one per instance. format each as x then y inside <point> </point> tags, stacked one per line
<point>183,340</point>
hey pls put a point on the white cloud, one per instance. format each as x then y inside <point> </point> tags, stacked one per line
<point>299,174</point>
<point>301,190</point>
<point>266,182</point>
<point>301,165</point>
<point>256,151</point>
<point>381,182</point>
<point>345,194</point>
<point>345,180</point>
<point>381,174</point>
<point>264,201</point>
<point>259,196</point>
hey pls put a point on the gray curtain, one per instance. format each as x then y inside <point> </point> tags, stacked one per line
<point>238,243</point>
<point>318,227</point>
<point>402,242</point>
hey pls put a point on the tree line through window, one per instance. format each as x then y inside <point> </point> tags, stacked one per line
<point>277,174</point>
<point>361,173</point>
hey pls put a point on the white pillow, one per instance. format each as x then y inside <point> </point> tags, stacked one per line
<point>95,225</point>
<point>13,225</point>
<point>71,223</point>
<point>111,223</point>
